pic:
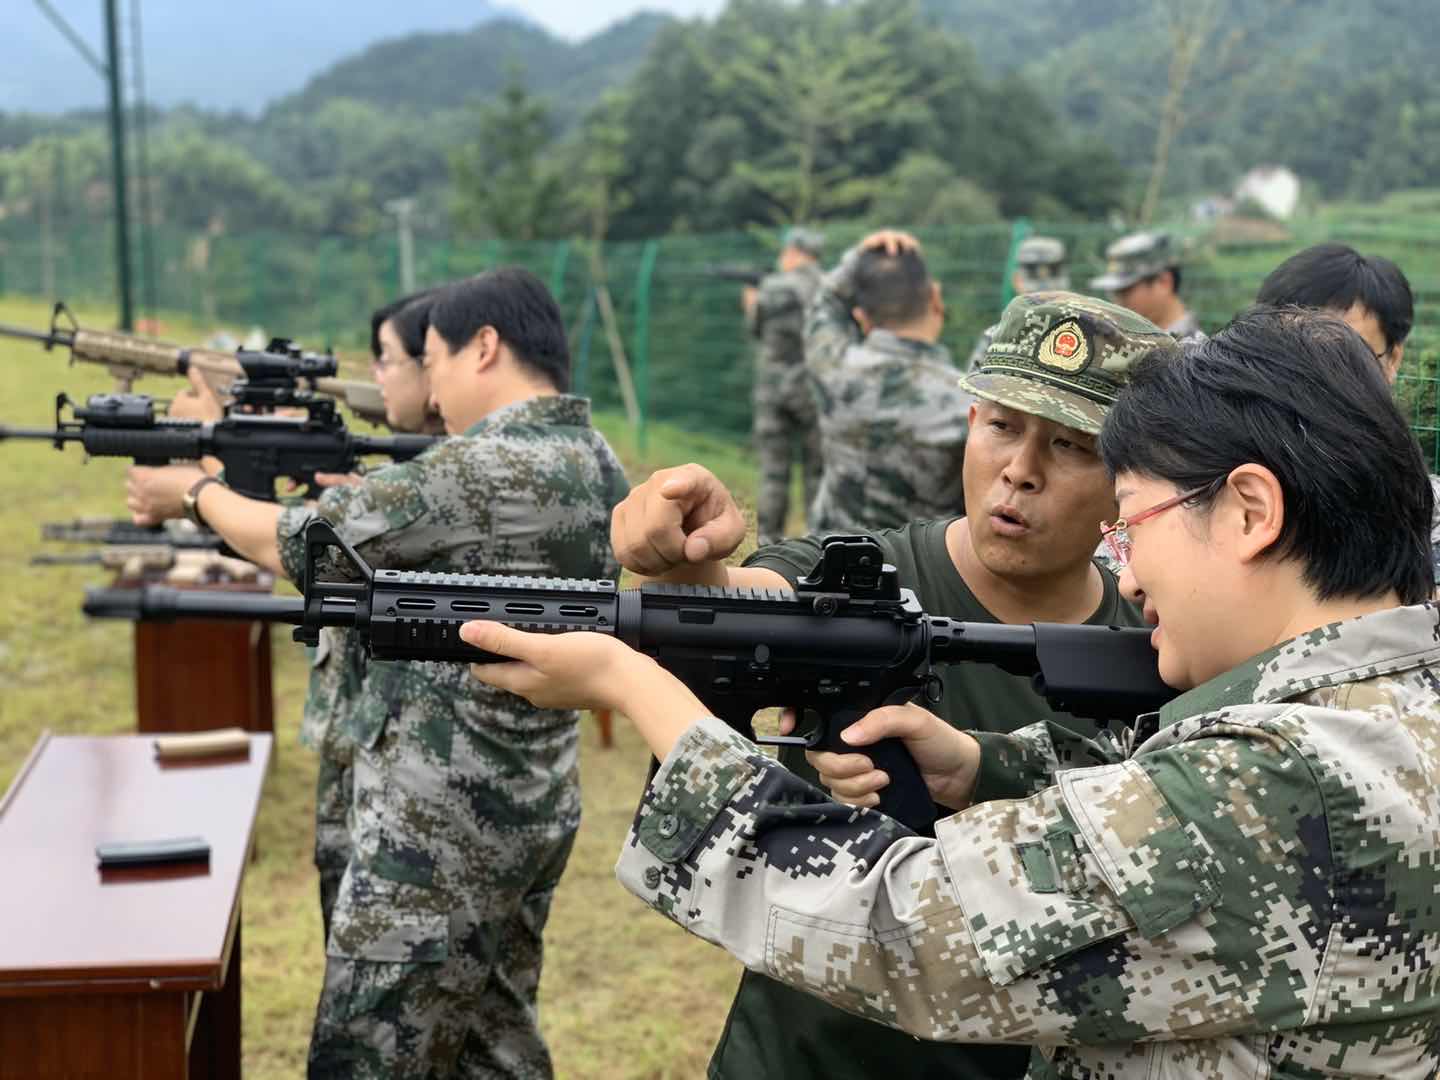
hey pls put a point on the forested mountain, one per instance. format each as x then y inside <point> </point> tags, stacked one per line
<point>776,110</point>
<point>1343,91</point>
<point>439,71</point>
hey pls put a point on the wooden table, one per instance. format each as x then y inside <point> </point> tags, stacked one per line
<point>201,674</point>
<point>135,973</point>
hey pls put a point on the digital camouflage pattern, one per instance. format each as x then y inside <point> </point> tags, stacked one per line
<point>1248,892</point>
<point>337,670</point>
<point>1063,357</point>
<point>893,422</point>
<point>466,799</point>
<point>784,412</point>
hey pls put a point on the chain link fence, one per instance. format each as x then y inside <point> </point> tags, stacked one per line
<point>676,321</point>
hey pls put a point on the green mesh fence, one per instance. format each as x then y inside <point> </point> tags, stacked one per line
<point>679,324</point>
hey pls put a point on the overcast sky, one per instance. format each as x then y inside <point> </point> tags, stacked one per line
<point>577,18</point>
<point>230,55</point>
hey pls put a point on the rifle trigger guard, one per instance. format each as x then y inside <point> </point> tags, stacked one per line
<point>932,689</point>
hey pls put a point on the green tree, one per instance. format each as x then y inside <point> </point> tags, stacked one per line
<point>816,93</point>
<point>505,185</point>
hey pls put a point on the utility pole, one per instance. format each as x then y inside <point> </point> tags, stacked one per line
<point>403,209</point>
<point>111,74</point>
<point>117,157</point>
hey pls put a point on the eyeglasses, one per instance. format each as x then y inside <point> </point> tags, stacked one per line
<point>1117,537</point>
<point>383,363</point>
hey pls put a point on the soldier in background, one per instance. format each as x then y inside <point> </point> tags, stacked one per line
<point>784,412</point>
<point>1142,272</point>
<point>1373,297</point>
<point>1040,266</point>
<point>466,802</point>
<point>893,419</point>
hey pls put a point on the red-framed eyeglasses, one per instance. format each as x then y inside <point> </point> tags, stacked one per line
<point>1116,537</point>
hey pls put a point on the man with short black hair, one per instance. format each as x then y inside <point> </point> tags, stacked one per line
<point>892,417</point>
<point>1369,292</point>
<point>466,799</point>
<point>1373,297</point>
<point>1142,272</point>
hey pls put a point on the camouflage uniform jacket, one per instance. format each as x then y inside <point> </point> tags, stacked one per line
<point>778,321</point>
<point>1251,891</point>
<point>527,491</point>
<point>893,421</point>
<point>778,317</point>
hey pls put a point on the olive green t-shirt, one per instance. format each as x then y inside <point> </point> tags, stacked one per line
<point>776,1032</point>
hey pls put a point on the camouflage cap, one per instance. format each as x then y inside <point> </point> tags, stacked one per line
<point>810,241</point>
<point>1063,357</point>
<point>1040,262</point>
<point>1136,257</point>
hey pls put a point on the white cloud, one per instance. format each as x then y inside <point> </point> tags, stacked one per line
<point>580,18</point>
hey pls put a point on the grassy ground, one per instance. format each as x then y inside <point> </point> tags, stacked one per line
<point>625,994</point>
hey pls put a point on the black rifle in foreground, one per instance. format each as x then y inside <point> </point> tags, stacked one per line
<point>846,641</point>
<point>117,531</point>
<point>256,450</point>
<point>127,356</point>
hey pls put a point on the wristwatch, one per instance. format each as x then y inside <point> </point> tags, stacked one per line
<point>190,500</point>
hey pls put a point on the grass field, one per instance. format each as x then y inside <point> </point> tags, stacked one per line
<point>625,994</point>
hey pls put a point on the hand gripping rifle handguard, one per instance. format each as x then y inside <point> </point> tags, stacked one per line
<point>846,641</point>
<point>255,449</point>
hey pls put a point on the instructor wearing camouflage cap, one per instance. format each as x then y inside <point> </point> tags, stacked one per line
<point>1142,271</point>
<point>1063,357</point>
<point>1035,492</point>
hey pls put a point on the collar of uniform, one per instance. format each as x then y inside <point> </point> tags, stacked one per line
<point>891,342</point>
<point>557,409</point>
<point>1382,643</point>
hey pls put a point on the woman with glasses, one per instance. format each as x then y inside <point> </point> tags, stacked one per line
<point>1243,885</point>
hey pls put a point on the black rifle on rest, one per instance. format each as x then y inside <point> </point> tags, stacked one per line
<point>122,532</point>
<point>255,449</point>
<point>846,641</point>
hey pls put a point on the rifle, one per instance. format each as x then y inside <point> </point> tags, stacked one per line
<point>255,449</point>
<point>741,272</point>
<point>127,356</point>
<point>136,560</point>
<point>846,641</point>
<point>108,531</point>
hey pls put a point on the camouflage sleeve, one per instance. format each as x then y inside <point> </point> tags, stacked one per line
<point>829,327</point>
<point>1179,895</point>
<point>1026,762</point>
<point>373,516</point>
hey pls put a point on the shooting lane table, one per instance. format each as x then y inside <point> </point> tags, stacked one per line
<point>202,674</point>
<point>135,973</point>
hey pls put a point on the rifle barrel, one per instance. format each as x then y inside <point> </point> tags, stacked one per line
<point>46,338</point>
<point>48,434</point>
<point>158,603</point>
